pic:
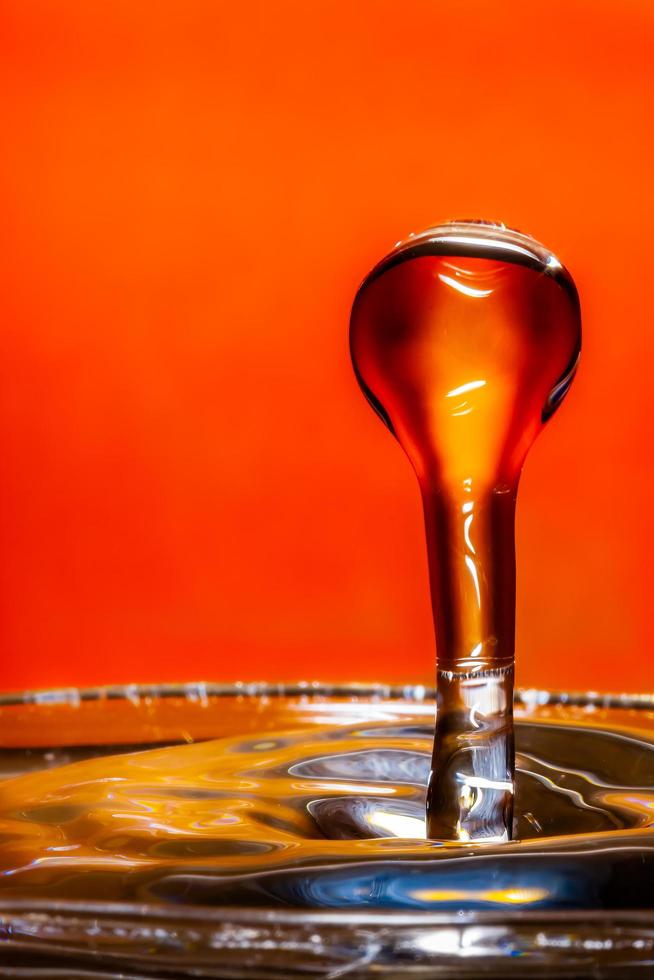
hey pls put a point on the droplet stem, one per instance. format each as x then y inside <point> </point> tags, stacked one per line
<point>471,784</point>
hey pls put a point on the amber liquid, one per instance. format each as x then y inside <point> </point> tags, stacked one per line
<point>167,861</point>
<point>465,339</point>
<point>329,815</point>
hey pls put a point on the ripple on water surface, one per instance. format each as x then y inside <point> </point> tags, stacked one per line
<point>332,818</point>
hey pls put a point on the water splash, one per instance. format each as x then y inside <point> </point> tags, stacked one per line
<point>465,340</point>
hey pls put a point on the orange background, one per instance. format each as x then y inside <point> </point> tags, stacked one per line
<point>192,484</point>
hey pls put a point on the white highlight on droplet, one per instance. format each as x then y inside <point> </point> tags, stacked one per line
<point>473,572</point>
<point>468,386</point>
<point>462,288</point>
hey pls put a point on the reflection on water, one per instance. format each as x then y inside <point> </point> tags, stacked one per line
<point>333,818</point>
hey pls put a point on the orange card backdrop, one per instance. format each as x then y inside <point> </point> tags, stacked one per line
<point>191,483</point>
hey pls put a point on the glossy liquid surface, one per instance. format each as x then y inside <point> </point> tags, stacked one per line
<point>332,817</point>
<point>465,339</point>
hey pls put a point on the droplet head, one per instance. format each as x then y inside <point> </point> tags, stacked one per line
<point>465,340</point>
